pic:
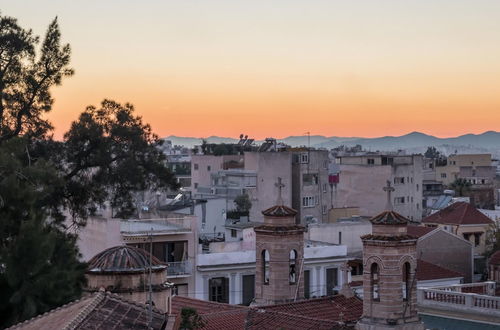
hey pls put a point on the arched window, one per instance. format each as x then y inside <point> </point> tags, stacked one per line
<point>374,282</point>
<point>406,280</point>
<point>265,267</point>
<point>293,263</point>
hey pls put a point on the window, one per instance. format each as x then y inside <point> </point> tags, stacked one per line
<point>248,289</point>
<point>340,237</point>
<point>399,180</point>
<point>309,179</point>
<point>374,279</point>
<point>477,239</point>
<point>418,206</point>
<point>219,289</point>
<point>308,201</point>
<point>195,185</point>
<point>356,269</point>
<point>234,233</point>
<point>443,175</point>
<point>324,187</point>
<point>331,280</point>
<point>399,200</point>
<point>307,284</point>
<point>195,166</point>
<point>304,158</point>
<point>324,209</point>
<point>293,267</point>
<point>370,161</point>
<point>325,164</point>
<point>406,281</point>
<point>265,266</point>
<point>417,186</point>
<point>209,168</point>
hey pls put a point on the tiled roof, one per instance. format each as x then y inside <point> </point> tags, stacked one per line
<point>279,211</point>
<point>326,308</point>
<point>419,231</point>
<point>123,258</point>
<point>495,258</point>
<point>102,310</point>
<point>201,306</point>
<point>389,218</point>
<point>322,313</point>
<point>460,213</point>
<point>427,271</point>
<point>261,319</point>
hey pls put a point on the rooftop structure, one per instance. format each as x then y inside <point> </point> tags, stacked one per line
<point>101,310</point>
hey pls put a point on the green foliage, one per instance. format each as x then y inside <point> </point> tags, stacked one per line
<point>492,240</point>
<point>26,77</point>
<point>461,186</point>
<point>190,319</point>
<point>107,155</point>
<point>243,203</point>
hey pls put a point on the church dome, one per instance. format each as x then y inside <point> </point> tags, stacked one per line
<point>123,259</point>
<point>279,211</point>
<point>389,218</point>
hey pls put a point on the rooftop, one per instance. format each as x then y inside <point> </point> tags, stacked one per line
<point>123,259</point>
<point>279,211</point>
<point>495,258</point>
<point>101,310</point>
<point>427,272</point>
<point>459,213</point>
<point>418,231</point>
<point>389,218</point>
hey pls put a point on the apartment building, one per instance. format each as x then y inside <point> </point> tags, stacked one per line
<point>362,176</point>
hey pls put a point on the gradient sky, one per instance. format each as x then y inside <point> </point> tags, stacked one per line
<point>278,68</point>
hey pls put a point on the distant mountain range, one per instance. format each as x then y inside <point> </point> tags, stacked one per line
<point>413,142</point>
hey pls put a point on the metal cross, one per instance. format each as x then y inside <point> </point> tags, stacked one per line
<point>280,186</point>
<point>388,189</point>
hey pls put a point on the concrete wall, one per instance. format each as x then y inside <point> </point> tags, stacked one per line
<point>269,166</point>
<point>99,234</point>
<point>448,251</point>
<point>350,237</point>
<point>362,185</point>
<point>202,175</point>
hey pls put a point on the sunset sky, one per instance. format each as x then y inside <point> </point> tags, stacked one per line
<point>278,68</point>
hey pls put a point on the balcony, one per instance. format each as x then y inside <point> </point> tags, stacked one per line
<point>179,269</point>
<point>154,227</point>
<point>476,298</point>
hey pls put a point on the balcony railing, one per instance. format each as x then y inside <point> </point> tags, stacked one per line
<point>462,298</point>
<point>169,225</point>
<point>179,268</point>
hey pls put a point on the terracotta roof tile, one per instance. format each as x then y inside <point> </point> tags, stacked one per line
<point>495,258</point>
<point>279,211</point>
<point>201,306</point>
<point>102,310</point>
<point>460,213</point>
<point>419,231</point>
<point>389,218</point>
<point>427,271</point>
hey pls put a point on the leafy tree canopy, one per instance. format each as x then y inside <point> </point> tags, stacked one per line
<point>106,156</point>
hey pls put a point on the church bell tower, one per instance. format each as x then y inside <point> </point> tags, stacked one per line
<point>389,281</point>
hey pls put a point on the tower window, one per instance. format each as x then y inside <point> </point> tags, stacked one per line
<point>406,281</point>
<point>265,266</point>
<point>293,266</point>
<point>374,282</point>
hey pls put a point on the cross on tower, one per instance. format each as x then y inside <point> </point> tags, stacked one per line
<point>280,186</point>
<point>388,189</point>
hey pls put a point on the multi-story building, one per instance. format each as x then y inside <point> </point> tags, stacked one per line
<point>311,191</point>
<point>203,166</point>
<point>173,240</point>
<point>361,177</point>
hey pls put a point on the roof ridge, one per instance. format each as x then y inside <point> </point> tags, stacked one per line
<point>131,302</point>
<point>25,322</point>
<point>82,315</point>
<point>212,302</point>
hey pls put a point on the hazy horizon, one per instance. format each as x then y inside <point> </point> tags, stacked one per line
<point>282,68</point>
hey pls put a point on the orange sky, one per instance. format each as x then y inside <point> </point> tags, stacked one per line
<point>279,68</point>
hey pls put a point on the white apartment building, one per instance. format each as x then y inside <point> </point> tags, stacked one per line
<point>362,179</point>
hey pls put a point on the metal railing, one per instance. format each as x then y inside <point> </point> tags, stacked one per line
<point>179,268</point>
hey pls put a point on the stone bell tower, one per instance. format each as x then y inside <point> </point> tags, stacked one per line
<point>279,249</point>
<point>389,281</point>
